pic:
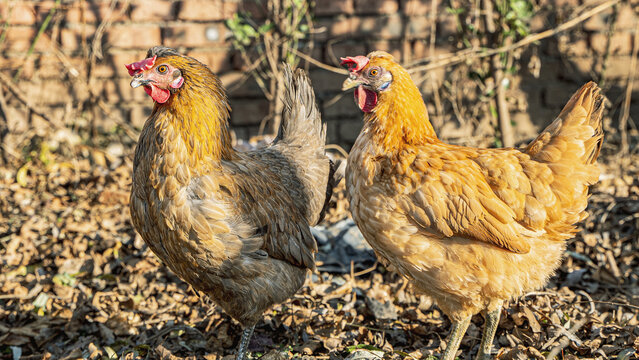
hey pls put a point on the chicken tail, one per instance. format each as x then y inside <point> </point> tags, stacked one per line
<point>301,121</point>
<point>575,137</point>
<point>570,146</point>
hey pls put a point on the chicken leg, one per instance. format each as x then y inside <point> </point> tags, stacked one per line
<point>455,337</point>
<point>244,342</point>
<point>490,327</point>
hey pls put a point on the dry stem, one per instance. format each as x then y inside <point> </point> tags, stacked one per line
<point>625,110</point>
<point>469,54</point>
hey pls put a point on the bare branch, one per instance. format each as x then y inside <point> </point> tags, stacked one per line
<point>22,98</point>
<point>320,64</point>
<point>625,110</point>
<point>469,54</point>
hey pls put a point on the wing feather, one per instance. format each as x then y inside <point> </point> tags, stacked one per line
<point>486,197</point>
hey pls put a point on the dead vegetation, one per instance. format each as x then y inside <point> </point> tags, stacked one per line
<point>77,282</point>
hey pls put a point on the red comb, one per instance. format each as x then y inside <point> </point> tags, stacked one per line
<point>354,63</point>
<point>141,65</point>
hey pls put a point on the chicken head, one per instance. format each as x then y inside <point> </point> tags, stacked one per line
<point>368,79</point>
<point>159,81</point>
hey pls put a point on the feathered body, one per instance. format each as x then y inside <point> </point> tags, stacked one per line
<point>471,227</point>
<point>232,224</point>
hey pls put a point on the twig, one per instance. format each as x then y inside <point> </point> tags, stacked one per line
<point>433,27</point>
<point>246,74</point>
<point>489,15</point>
<point>320,64</point>
<point>569,335</point>
<point>332,101</point>
<point>4,125</point>
<point>590,301</point>
<point>167,330</point>
<point>469,54</point>
<point>30,295</point>
<point>505,127</point>
<point>21,97</point>
<point>625,110</point>
<point>5,25</point>
<point>365,271</point>
<point>614,268</point>
<point>606,57</point>
<point>128,129</point>
<point>340,150</point>
<point>43,27</point>
<point>612,303</point>
<point>539,293</point>
<point>96,54</point>
<point>96,44</point>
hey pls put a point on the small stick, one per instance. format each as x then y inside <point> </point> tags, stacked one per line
<point>463,55</point>
<point>625,110</point>
<point>590,302</point>
<point>22,98</point>
<point>319,64</point>
<point>613,265</point>
<point>568,338</point>
<point>365,271</point>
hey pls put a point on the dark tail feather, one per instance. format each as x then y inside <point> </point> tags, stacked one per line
<point>301,120</point>
<point>334,177</point>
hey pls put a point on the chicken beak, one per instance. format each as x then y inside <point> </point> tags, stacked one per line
<point>351,82</point>
<point>138,81</point>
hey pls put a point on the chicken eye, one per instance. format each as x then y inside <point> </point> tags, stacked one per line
<point>374,72</point>
<point>162,69</point>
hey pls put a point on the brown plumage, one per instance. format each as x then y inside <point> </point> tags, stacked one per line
<point>470,227</point>
<point>234,225</point>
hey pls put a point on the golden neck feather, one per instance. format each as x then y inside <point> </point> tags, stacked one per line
<point>199,111</point>
<point>400,117</point>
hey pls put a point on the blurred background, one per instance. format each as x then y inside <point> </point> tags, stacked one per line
<point>76,281</point>
<point>63,75</point>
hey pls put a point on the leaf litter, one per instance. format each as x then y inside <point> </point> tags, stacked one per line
<point>78,282</point>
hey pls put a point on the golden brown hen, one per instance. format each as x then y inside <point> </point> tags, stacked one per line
<point>234,225</point>
<point>470,227</point>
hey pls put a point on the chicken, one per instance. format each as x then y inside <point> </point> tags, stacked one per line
<point>469,227</point>
<point>234,225</point>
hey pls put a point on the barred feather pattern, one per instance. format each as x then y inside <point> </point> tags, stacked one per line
<point>232,224</point>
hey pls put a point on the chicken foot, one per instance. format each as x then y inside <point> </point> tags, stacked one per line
<point>244,342</point>
<point>455,337</point>
<point>490,327</point>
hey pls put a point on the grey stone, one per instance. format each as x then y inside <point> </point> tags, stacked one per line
<point>363,354</point>
<point>381,311</point>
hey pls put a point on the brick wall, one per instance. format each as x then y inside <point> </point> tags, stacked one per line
<point>55,75</point>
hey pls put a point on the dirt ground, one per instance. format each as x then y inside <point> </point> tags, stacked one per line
<point>77,282</point>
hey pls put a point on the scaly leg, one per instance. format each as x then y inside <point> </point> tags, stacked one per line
<point>455,337</point>
<point>244,342</point>
<point>490,327</point>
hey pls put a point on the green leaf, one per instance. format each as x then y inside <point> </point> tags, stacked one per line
<point>522,8</point>
<point>265,28</point>
<point>143,349</point>
<point>107,277</point>
<point>21,175</point>
<point>40,301</point>
<point>45,153</point>
<point>362,346</point>
<point>177,333</point>
<point>493,111</point>
<point>111,354</point>
<point>64,279</point>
